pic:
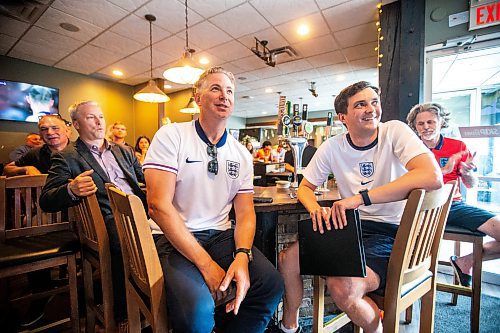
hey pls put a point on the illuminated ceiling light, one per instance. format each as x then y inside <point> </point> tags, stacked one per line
<point>264,112</point>
<point>184,71</point>
<point>340,77</point>
<point>303,30</point>
<point>204,61</point>
<point>151,93</point>
<point>269,90</point>
<point>117,72</point>
<point>191,107</point>
<point>167,86</point>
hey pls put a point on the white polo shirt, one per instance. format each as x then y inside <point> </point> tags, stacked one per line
<point>358,168</point>
<point>202,198</point>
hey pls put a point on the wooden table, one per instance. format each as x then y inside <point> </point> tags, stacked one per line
<point>266,237</point>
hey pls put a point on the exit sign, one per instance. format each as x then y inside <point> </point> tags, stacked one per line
<point>484,14</point>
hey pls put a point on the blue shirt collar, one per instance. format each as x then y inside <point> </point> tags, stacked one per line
<point>440,143</point>
<point>204,137</point>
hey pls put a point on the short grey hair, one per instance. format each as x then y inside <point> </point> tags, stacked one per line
<point>213,70</point>
<point>75,108</point>
<point>441,113</point>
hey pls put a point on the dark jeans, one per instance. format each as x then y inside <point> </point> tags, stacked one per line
<point>190,304</point>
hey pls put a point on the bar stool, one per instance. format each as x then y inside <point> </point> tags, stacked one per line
<point>458,234</point>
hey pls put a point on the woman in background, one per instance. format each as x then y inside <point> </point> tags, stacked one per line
<point>141,147</point>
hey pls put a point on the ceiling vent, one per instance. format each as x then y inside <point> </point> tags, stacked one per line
<point>24,10</point>
<point>270,57</point>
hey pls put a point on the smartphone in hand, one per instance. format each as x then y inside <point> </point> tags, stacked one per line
<point>222,298</point>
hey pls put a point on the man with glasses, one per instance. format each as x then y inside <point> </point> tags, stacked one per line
<point>54,133</point>
<point>82,169</point>
<point>195,174</point>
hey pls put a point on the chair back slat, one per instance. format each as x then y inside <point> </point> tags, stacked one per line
<point>142,265</point>
<point>416,246</point>
<point>91,225</point>
<point>21,213</point>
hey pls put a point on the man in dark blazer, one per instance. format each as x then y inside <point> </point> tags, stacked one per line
<point>82,169</point>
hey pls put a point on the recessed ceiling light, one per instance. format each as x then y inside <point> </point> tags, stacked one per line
<point>167,86</point>
<point>340,78</point>
<point>204,61</point>
<point>69,27</point>
<point>117,72</point>
<point>241,78</point>
<point>303,30</point>
<point>264,112</point>
<point>269,90</point>
<point>246,97</point>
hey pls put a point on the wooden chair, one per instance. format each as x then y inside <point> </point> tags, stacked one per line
<point>96,258</point>
<point>143,273</point>
<point>458,235</point>
<point>32,240</point>
<point>411,273</point>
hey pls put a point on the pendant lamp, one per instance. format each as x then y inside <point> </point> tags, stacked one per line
<point>151,93</point>
<point>191,107</point>
<point>185,71</point>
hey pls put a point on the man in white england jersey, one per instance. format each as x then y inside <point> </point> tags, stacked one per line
<point>376,165</point>
<point>195,172</point>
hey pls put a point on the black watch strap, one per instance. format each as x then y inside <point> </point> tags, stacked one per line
<point>248,252</point>
<point>366,198</point>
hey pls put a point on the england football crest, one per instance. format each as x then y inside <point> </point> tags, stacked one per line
<point>366,169</point>
<point>233,169</point>
<point>443,161</point>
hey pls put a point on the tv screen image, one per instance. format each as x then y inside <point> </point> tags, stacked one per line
<point>27,102</point>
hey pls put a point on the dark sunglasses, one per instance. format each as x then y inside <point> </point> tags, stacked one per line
<point>213,165</point>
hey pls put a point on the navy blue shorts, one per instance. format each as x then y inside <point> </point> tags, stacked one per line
<point>378,238</point>
<point>468,217</point>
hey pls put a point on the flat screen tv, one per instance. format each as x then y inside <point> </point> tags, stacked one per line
<point>27,102</point>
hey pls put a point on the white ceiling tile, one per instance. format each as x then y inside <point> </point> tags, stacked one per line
<point>360,51</point>
<point>245,77</point>
<point>129,5</point>
<point>230,51</point>
<point>159,58</point>
<point>116,43</point>
<point>206,35</point>
<point>36,53</point>
<point>319,45</point>
<point>135,80</point>
<point>13,28</point>
<point>172,46</point>
<point>294,66</point>
<point>129,66</point>
<point>342,16</point>
<point>495,79</point>
<point>169,14</point>
<point>263,73</point>
<point>240,21</point>
<point>212,59</point>
<point>272,36</point>
<point>6,43</point>
<point>137,28</point>
<point>52,17</point>
<point>335,69</point>
<point>315,22</point>
<point>309,75</point>
<point>326,59</point>
<point>232,68</point>
<point>51,40</point>
<point>89,58</point>
<point>249,63</point>
<point>330,3</point>
<point>364,63</point>
<point>211,8</point>
<point>98,12</point>
<point>280,11</point>
<point>360,34</point>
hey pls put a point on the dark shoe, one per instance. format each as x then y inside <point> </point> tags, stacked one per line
<point>465,280</point>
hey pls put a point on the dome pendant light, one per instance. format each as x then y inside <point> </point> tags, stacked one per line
<point>151,93</point>
<point>185,71</point>
<point>191,107</point>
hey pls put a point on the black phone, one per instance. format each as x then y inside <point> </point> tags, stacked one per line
<point>228,296</point>
<point>262,199</point>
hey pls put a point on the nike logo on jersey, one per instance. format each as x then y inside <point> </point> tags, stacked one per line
<point>191,161</point>
<point>368,182</point>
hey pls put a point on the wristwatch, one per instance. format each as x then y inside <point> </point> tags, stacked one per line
<point>248,252</point>
<point>366,198</point>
